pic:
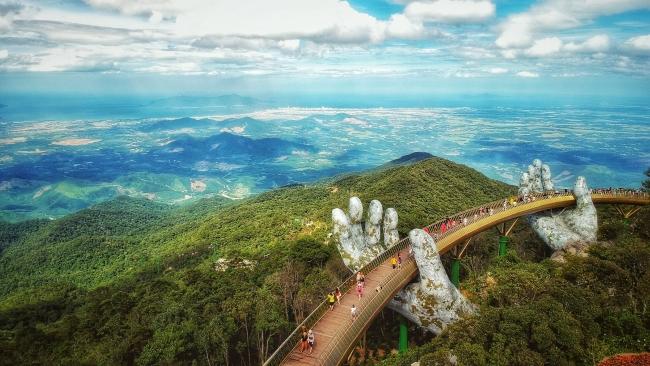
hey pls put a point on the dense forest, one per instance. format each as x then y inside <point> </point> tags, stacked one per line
<point>219,282</point>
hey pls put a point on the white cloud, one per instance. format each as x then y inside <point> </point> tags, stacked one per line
<point>527,74</point>
<point>8,10</point>
<point>639,43</point>
<point>156,17</point>
<point>498,70</point>
<point>545,47</point>
<point>595,44</point>
<point>289,44</point>
<point>553,46</point>
<point>518,30</point>
<point>245,43</point>
<point>319,20</point>
<point>474,53</point>
<point>400,26</point>
<point>141,7</point>
<point>451,11</point>
<point>571,74</point>
<point>509,54</point>
<point>5,23</point>
<point>466,74</point>
<point>4,54</point>
<point>316,37</point>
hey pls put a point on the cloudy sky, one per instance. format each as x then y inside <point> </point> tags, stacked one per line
<point>480,44</point>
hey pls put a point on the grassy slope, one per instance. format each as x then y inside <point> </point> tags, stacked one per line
<point>421,193</point>
<point>117,239</point>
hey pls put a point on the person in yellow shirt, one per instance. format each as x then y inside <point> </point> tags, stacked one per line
<point>393,262</point>
<point>331,299</point>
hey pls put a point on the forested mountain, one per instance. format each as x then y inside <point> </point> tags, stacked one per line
<point>130,281</point>
<point>219,282</point>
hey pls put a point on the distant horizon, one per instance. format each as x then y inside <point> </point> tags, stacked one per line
<point>26,106</point>
<point>153,86</point>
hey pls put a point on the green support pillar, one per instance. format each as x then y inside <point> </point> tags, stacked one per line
<point>455,272</point>
<point>403,335</point>
<point>503,245</point>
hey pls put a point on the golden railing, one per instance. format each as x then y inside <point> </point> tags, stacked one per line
<point>462,219</point>
<point>472,215</point>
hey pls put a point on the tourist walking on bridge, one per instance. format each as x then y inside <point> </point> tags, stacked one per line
<point>303,339</point>
<point>311,339</point>
<point>361,278</point>
<point>338,295</point>
<point>359,289</point>
<point>330,300</point>
<point>399,261</point>
<point>353,311</point>
<point>393,262</point>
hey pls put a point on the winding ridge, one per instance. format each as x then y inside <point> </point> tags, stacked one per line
<point>336,333</point>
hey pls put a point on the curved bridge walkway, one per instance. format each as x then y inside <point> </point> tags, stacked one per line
<point>336,334</point>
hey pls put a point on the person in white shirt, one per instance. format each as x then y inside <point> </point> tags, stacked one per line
<point>311,339</point>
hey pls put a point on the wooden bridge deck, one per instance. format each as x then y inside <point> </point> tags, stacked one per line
<point>335,323</point>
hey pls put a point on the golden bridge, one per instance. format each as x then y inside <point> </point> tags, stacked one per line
<point>336,333</point>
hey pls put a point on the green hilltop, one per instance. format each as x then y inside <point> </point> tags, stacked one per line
<point>109,241</point>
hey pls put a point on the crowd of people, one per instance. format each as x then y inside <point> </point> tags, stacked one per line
<point>451,223</point>
<point>619,191</point>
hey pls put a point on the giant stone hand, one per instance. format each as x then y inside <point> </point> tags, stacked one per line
<point>359,245</point>
<point>434,302</point>
<point>573,225</point>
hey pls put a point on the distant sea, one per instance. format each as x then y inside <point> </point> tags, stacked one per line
<point>60,153</point>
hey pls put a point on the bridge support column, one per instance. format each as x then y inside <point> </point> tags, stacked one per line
<point>455,262</point>
<point>403,335</point>
<point>505,230</point>
<point>455,272</point>
<point>627,212</point>
<point>503,245</point>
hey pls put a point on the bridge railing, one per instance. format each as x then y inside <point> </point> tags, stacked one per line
<point>462,219</point>
<point>292,340</point>
<point>467,217</point>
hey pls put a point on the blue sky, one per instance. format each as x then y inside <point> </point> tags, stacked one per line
<point>284,46</point>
